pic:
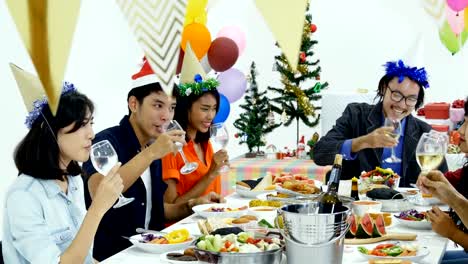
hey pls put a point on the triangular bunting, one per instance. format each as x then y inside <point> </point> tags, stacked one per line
<point>46,28</point>
<point>157,25</point>
<point>287,30</point>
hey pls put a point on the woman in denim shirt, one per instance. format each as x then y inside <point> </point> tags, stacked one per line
<point>45,220</point>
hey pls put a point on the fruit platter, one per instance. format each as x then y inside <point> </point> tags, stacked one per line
<point>413,219</point>
<point>381,176</point>
<point>410,252</point>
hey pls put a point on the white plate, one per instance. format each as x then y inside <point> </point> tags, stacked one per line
<point>164,258</point>
<point>423,224</point>
<point>422,252</point>
<point>201,210</point>
<point>158,248</point>
<point>293,193</point>
<point>244,192</point>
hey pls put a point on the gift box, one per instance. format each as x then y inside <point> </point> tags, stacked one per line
<point>440,128</point>
<point>457,114</point>
<point>437,110</point>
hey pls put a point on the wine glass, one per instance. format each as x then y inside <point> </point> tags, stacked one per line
<point>430,151</point>
<point>395,123</point>
<point>103,158</point>
<point>219,138</point>
<point>188,167</point>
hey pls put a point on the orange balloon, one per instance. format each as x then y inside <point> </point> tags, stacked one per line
<point>199,38</point>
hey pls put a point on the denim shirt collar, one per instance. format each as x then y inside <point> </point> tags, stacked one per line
<point>52,188</point>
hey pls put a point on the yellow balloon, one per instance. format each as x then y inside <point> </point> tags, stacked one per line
<point>195,12</point>
<point>466,18</point>
<point>200,19</point>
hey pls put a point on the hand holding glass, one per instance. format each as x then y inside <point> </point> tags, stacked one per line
<point>104,158</point>
<point>188,167</point>
<point>395,134</point>
<point>430,151</point>
<point>219,138</point>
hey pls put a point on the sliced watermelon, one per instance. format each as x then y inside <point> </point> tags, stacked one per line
<point>379,226</point>
<point>365,227</point>
<point>352,226</point>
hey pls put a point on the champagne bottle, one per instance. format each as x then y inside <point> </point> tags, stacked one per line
<point>330,201</point>
<point>354,189</point>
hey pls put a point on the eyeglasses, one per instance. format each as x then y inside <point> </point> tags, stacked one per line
<point>397,97</point>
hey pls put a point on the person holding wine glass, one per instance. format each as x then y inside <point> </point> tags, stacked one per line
<point>197,104</point>
<point>452,189</point>
<point>45,220</point>
<point>140,142</point>
<point>359,134</point>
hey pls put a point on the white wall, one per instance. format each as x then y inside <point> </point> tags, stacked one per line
<point>355,39</point>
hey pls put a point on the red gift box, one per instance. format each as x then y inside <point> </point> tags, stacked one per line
<point>437,110</point>
<point>440,128</point>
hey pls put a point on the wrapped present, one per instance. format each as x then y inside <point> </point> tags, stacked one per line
<point>440,128</point>
<point>437,110</point>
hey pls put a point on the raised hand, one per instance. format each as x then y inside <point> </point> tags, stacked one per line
<point>219,159</point>
<point>108,190</point>
<point>379,138</point>
<point>164,144</point>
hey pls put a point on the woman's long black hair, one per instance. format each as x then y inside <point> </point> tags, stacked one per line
<point>38,153</point>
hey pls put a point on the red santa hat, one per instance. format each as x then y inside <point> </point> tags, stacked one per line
<point>144,76</point>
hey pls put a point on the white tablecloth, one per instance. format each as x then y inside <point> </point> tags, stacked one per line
<point>435,243</point>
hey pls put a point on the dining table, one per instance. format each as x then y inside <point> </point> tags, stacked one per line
<point>436,245</point>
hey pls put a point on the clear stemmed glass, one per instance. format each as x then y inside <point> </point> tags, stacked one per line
<point>394,134</point>
<point>430,151</point>
<point>104,157</point>
<point>219,138</point>
<point>188,167</point>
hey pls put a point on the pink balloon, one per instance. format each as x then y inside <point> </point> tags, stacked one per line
<point>232,84</point>
<point>456,20</point>
<point>457,5</point>
<point>234,33</point>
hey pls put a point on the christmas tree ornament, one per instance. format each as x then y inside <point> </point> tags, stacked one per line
<point>302,55</point>
<point>271,118</point>
<point>313,28</point>
<point>284,117</point>
<point>317,77</point>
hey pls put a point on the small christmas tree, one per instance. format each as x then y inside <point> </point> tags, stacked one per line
<point>293,102</point>
<point>258,119</point>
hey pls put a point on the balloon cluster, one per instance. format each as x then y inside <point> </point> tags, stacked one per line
<point>218,55</point>
<point>454,30</point>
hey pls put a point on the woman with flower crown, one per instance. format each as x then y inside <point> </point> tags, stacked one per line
<point>45,220</point>
<point>197,105</point>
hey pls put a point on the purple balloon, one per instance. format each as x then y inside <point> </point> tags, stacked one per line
<point>232,84</point>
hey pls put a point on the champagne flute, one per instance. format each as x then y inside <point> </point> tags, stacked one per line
<point>395,123</point>
<point>188,167</point>
<point>219,138</point>
<point>103,158</point>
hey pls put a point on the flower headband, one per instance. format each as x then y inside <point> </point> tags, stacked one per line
<point>40,103</point>
<point>400,70</point>
<point>199,86</point>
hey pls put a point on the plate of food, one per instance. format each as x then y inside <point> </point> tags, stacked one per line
<point>252,188</point>
<point>294,187</point>
<point>413,219</point>
<point>411,252</point>
<point>220,210</point>
<point>186,256</point>
<point>381,176</point>
<point>154,243</point>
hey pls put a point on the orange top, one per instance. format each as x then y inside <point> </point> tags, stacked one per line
<point>171,169</point>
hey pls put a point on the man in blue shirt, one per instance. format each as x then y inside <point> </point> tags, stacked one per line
<point>140,144</point>
<point>359,134</point>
